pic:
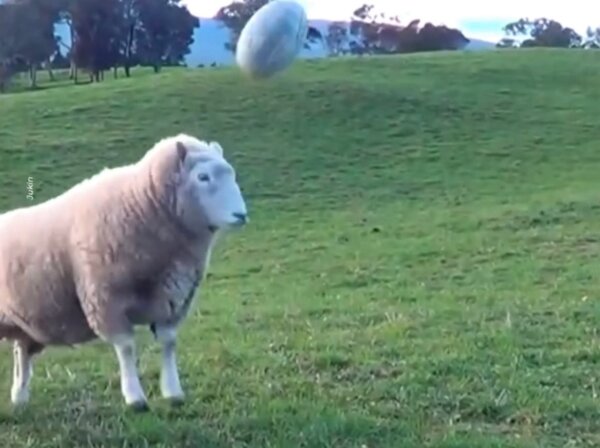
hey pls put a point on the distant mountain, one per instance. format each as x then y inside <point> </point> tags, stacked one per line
<point>478,44</point>
<point>211,36</point>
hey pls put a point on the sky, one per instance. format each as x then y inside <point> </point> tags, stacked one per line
<point>481,19</point>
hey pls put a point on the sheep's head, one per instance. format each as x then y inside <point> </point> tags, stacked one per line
<point>208,194</point>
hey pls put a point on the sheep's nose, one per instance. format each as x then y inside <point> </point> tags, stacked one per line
<point>242,218</point>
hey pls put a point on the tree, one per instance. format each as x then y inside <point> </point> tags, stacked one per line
<point>129,11</point>
<point>30,28</point>
<point>313,35</point>
<point>365,29</point>
<point>543,32</point>
<point>64,17</point>
<point>506,42</point>
<point>592,38</point>
<point>165,32</point>
<point>7,46</point>
<point>235,16</point>
<point>437,38</point>
<point>336,38</point>
<point>104,34</point>
<point>96,25</point>
<point>60,61</point>
<point>375,33</point>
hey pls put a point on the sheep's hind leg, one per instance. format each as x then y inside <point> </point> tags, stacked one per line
<point>131,387</point>
<point>23,352</point>
<point>170,385</point>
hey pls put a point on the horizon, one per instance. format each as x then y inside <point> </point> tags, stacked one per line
<point>472,17</point>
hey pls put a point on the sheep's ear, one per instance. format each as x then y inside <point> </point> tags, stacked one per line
<point>181,152</point>
<point>215,146</point>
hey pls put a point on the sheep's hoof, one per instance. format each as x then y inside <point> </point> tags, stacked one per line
<point>19,397</point>
<point>139,406</point>
<point>19,405</point>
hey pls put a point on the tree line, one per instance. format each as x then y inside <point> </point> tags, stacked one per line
<point>367,32</point>
<point>104,35</point>
<point>111,34</point>
<point>371,32</point>
<point>543,32</point>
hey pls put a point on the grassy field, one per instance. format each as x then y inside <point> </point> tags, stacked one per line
<point>421,269</point>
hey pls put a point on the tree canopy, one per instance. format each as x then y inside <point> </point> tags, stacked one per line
<point>541,32</point>
<point>235,16</point>
<point>104,34</point>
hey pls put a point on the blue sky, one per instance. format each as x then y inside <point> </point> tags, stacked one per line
<point>476,18</point>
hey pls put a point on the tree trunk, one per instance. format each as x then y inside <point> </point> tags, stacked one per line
<point>5,75</point>
<point>73,72</point>
<point>156,68</point>
<point>33,76</point>
<point>49,69</point>
<point>116,71</point>
<point>129,50</point>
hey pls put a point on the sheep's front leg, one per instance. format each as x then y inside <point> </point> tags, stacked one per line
<point>22,373</point>
<point>131,386</point>
<point>170,385</point>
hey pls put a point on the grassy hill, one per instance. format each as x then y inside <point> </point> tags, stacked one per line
<point>421,269</point>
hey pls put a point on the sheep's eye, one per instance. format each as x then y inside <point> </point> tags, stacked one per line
<point>204,178</point>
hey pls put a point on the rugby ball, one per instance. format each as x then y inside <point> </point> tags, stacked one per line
<point>272,39</point>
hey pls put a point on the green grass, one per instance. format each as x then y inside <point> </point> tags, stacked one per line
<point>421,269</point>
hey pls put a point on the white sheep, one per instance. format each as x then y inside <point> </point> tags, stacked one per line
<point>126,247</point>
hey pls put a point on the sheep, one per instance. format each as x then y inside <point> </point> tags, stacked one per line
<point>127,247</point>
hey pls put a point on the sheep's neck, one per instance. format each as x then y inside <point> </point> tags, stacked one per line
<point>155,205</point>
